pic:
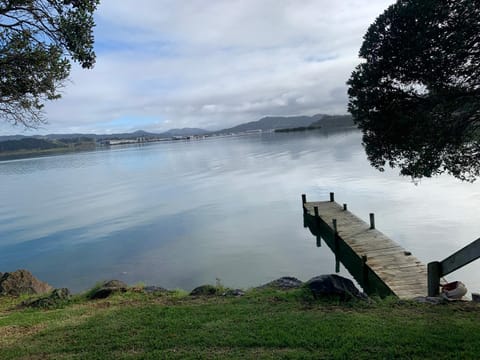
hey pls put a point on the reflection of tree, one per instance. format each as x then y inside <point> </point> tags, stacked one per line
<point>417,96</point>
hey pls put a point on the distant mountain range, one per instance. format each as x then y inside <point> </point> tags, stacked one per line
<point>288,122</point>
<point>264,124</point>
<point>185,132</point>
<point>132,135</point>
<point>274,122</point>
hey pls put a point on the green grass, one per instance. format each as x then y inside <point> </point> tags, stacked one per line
<point>263,324</point>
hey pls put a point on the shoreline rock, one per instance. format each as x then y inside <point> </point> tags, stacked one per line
<point>21,282</point>
<point>55,298</point>
<point>334,285</point>
<point>283,283</point>
<point>108,288</point>
<point>204,290</point>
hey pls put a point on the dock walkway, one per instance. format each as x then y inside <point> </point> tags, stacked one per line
<point>376,255</point>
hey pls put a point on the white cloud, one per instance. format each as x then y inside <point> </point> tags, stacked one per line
<point>213,64</point>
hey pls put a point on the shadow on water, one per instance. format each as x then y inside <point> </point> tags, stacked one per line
<point>355,265</point>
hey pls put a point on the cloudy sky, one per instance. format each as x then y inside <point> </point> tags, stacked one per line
<point>212,64</point>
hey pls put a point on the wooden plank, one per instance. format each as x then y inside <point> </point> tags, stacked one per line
<point>461,258</point>
<point>373,249</point>
<point>404,274</point>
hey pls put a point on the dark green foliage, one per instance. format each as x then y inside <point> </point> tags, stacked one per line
<point>28,144</point>
<point>417,95</point>
<point>334,121</point>
<point>301,128</point>
<point>204,290</point>
<point>38,39</point>
<point>35,144</point>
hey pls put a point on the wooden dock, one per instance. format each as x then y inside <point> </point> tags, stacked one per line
<point>378,263</point>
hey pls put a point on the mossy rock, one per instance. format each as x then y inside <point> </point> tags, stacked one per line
<point>21,282</point>
<point>107,288</point>
<point>56,298</point>
<point>283,283</point>
<point>204,290</point>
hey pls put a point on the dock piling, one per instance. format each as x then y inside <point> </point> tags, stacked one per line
<point>364,271</point>
<point>317,218</point>
<point>332,197</point>
<point>344,207</point>
<point>336,245</point>
<point>434,270</point>
<point>372,221</point>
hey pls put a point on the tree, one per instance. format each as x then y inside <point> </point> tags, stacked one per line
<point>416,97</point>
<point>38,41</point>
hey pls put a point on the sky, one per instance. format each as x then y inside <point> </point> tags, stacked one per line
<point>165,64</point>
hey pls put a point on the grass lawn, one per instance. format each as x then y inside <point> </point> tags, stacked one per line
<point>266,324</point>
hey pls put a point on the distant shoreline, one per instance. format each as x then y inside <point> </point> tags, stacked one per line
<point>25,154</point>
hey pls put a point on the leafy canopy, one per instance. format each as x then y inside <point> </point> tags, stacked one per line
<point>38,41</point>
<point>416,97</point>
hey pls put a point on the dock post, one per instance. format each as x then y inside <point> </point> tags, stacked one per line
<point>304,200</point>
<point>364,272</point>
<point>344,207</point>
<point>317,223</point>
<point>332,197</point>
<point>434,271</point>
<point>372,221</point>
<point>336,245</point>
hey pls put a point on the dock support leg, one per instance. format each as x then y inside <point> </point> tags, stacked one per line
<point>336,245</point>
<point>332,197</point>
<point>317,223</point>
<point>372,221</point>
<point>434,274</point>
<point>337,261</point>
<point>364,273</point>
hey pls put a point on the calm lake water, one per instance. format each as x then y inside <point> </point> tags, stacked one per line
<point>181,214</point>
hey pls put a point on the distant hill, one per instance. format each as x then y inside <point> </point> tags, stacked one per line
<point>132,135</point>
<point>184,132</point>
<point>274,122</point>
<point>266,123</point>
<point>28,144</point>
<point>334,121</point>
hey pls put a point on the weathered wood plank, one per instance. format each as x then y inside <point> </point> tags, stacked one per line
<point>403,273</point>
<point>461,258</point>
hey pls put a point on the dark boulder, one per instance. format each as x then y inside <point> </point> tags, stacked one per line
<point>334,286</point>
<point>22,282</point>
<point>56,298</point>
<point>204,290</point>
<point>107,288</point>
<point>283,283</point>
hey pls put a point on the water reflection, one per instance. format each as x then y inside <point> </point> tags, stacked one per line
<point>184,213</point>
